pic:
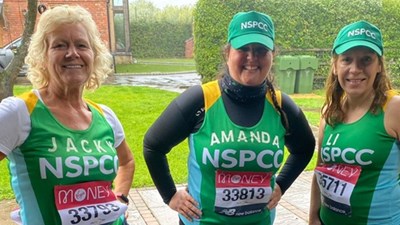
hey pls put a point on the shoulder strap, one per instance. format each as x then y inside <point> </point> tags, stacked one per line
<point>95,105</point>
<point>211,93</point>
<point>389,96</point>
<point>30,100</point>
<point>278,95</point>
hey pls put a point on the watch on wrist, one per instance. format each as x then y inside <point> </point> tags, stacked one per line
<point>123,198</point>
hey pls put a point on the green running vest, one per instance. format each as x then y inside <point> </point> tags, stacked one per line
<point>232,168</point>
<point>360,184</point>
<point>54,155</point>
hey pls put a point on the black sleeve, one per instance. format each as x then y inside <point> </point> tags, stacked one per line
<point>172,127</point>
<point>300,142</point>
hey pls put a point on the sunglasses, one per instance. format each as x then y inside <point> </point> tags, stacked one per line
<point>258,51</point>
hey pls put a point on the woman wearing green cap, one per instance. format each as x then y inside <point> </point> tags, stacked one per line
<point>237,127</point>
<point>357,175</point>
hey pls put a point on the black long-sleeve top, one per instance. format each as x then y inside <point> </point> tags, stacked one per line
<point>184,116</point>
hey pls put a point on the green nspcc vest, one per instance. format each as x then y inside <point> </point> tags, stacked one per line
<point>232,168</point>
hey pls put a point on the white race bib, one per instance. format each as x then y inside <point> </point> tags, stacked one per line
<point>88,203</point>
<point>336,183</point>
<point>241,193</point>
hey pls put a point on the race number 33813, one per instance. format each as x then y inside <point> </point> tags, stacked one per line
<point>336,183</point>
<point>241,193</point>
<point>88,203</point>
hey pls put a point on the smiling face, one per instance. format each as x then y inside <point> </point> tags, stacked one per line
<point>356,70</point>
<point>69,56</point>
<point>250,64</point>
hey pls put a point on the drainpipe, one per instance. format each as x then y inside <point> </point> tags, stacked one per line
<point>109,35</point>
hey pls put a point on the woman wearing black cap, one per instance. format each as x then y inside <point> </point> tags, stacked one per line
<point>237,127</point>
<point>356,179</point>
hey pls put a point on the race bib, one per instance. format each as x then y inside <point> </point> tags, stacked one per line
<point>336,183</point>
<point>241,193</point>
<point>88,203</point>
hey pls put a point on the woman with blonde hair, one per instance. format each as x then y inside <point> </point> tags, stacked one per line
<point>68,158</point>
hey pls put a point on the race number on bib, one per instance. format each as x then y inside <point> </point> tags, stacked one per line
<point>88,203</point>
<point>336,183</point>
<point>241,193</point>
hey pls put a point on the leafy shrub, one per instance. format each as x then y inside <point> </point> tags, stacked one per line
<point>306,27</point>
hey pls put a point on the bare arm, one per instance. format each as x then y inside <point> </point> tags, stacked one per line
<point>126,169</point>
<point>315,201</point>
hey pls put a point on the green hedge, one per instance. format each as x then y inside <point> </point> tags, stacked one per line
<point>306,24</point>
<point>159,33</point>
<point>159,39</point>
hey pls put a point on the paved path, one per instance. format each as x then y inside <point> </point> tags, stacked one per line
<point>177,82</point>
<point>147,207</point>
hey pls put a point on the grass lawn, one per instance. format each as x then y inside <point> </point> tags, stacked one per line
<point>310,104</point>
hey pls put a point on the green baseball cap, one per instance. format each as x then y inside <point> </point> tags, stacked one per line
<point>360,33</point>
<point>251,27</point>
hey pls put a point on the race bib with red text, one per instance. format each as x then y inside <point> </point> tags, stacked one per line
<point>242,193</point>
<point>88,203</point>
<point>336,183</point>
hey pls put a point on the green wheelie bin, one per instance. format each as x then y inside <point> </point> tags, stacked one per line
<point>305,74</point>
<point>285,68</point>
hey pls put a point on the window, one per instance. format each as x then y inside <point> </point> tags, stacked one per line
<point>119,26</point>
<point>116,2</point>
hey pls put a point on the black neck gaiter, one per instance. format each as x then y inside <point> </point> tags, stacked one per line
<point>241,92</point>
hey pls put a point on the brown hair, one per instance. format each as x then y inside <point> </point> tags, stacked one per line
<point>332,110</point>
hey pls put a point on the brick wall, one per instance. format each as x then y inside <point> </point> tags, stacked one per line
<point>13,24</point>
<point>189,48</point>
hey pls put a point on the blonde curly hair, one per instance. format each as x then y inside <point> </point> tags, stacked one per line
<point>49,21</point>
